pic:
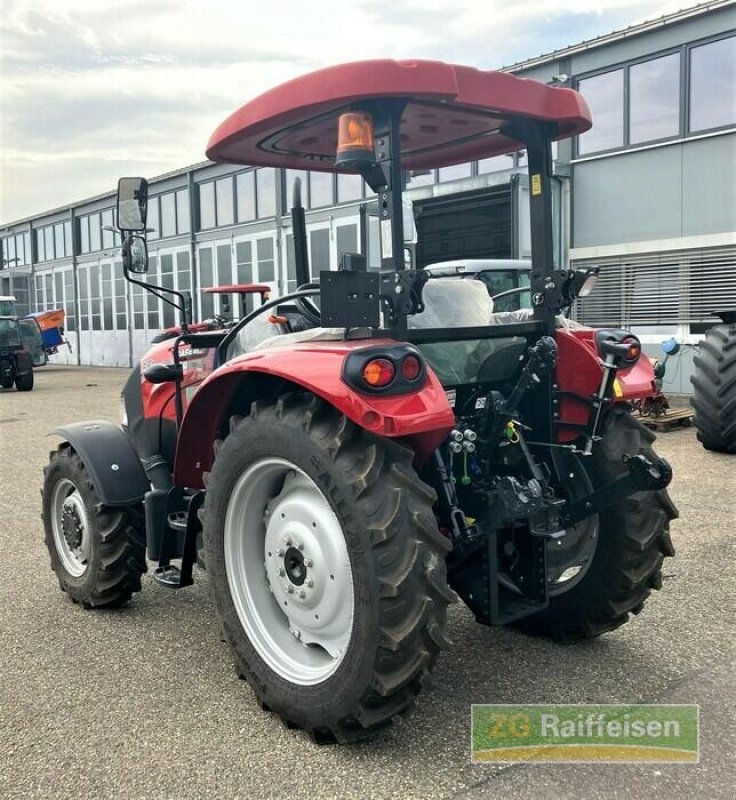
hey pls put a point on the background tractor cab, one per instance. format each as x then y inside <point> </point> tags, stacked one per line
<point>344,454</point>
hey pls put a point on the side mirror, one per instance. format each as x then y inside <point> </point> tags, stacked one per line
<point>132,204</point>
<point>135,254</point>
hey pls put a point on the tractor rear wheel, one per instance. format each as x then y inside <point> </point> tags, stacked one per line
<point>632,541</point>
<point>97,552</point>
<point>714,389</point>
<point>326,567</point>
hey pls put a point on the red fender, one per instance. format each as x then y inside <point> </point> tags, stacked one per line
<point>579,372</point>
<point>424,417</point>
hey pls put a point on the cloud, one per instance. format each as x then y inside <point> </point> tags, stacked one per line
<point>89,86</point>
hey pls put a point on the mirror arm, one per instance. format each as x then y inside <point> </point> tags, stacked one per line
<point>184,307</point>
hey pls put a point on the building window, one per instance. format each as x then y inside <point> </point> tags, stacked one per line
<point>245,186</point>
<point>419,178</point>
<point>290,175</point>
<point>48,240</point>
<point>108,237</point>
<point>152,219</point>
<point>183,221</point>
<point>95,239</point>
<point>605,96</point>
<point>320,189</point>
<point>349,187</point>
<point>454,173</point>
<point>206,206</point>
<point>347,240</point>
<point>495,164</point>
<point>206,279</point>
<point>40,246</point>
<point>266,192</point>
<point>168,215</point>
<point>59,240</point>
<point>654,99</point>
<point>319,245</point>
<point>266,266</point>
<point>713,85</point>
<point>224,192</point>
<point>69,244</point>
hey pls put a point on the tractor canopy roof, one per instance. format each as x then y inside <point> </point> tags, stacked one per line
<point>452,114</point>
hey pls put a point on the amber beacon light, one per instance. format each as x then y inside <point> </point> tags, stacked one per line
<point>354,140</point>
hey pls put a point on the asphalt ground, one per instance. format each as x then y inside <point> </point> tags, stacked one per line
<point>144,703</point>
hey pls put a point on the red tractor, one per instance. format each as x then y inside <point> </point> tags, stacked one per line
<point>346,458</point>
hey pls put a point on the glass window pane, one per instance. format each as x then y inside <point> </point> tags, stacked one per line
<point>95,239</point>
<point>40,248</point>
<point>107,236</point>
<point>224,265</point>
<point>68,244</point>
<point>246,189</point>
<point>183,222</point>
<point>654,99</point>
<point>206,205</point>
<point>19,248</point>
<point>420,178</point>
<point>224,188</point>
<point>266,270</point>
<point>495,164</point>
<point>205,281</point>
<point>59,239</point>
<point>349,187</point>
<point>84,234</point>
<point>58,290</point>
<point>168,214</point>
<point>152,219</point>
<point>48,238</point>
<point>605,96</point>
<point>319,242</point>
<point>27,247</point>
<point>266,192</point>
<point>347,240</point>
<point>183,271</point>
<point>713,85</point>
<point>455,172</point>
<point>244,262</point>
<point>320,189</point>
<point>290,176</point>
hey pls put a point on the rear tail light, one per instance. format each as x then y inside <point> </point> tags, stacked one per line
<point>634,351</point>
<point>411,368</point>
<point>378,372</point>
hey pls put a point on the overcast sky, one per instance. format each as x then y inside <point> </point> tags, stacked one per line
<point>94,89</point>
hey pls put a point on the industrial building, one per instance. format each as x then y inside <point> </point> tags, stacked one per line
<point>649,195</point>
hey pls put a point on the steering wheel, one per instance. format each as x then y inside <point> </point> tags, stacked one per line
<point>307,306</point>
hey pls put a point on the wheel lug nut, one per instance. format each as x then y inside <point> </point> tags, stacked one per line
<point>310,582</point>
<point>281,573</point>
<point>302,593</point>
<point>288,541</point>
<point>290,589</point>
<point>280,551</point>
<point>301,545</point>
<point>308,562</point>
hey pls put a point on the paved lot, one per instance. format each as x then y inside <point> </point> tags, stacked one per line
<point>143,702</point>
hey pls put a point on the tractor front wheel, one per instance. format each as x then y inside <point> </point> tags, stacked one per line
<point>326,567</point>
<point>24,383</point>
<point>97,552</point>
<point>632,541</point>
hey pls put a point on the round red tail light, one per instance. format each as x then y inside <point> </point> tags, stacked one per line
<point>378,372</point>
<point>411,366</point>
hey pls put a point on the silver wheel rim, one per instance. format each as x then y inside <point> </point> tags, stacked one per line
<point>569,557</point>
<point>70,527</point>
<point>288,571</point>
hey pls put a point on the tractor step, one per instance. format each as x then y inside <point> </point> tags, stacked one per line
<point>670,420</point>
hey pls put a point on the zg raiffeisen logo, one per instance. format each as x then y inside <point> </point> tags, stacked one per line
<point>585,733</point>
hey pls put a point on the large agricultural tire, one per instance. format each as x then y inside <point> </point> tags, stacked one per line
<point>633,541</point>
<point>24,383</point>
<point>714,389</point>
<point>98,552</point>
<point>326,567</point>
